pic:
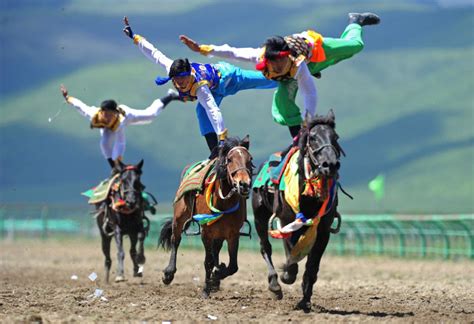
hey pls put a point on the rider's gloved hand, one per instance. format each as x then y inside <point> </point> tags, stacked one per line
<point>222,137</point>
<point>127,29</point>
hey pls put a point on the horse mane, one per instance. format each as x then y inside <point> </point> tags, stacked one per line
<point>230,143</point>
<point>322,120</point>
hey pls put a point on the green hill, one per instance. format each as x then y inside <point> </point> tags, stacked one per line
<point>404,106</point>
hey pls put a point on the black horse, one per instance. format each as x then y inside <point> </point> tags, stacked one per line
<point>319,154</point>
<point>122,213</point>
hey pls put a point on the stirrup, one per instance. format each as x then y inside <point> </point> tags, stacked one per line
<point>338,226</point>
<point>192,220</point>
<point>249,234</point>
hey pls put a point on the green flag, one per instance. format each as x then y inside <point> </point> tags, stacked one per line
<point>377,186</point>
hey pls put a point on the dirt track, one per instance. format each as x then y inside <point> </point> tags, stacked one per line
<point>36,284</point>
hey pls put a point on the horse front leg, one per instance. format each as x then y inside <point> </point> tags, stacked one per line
<point>106,239</point>
<point>224,271</point>
<point>311,270</point>
<point>262,216</point>
<point>208,266</point>
<point>141,253</point>
<point>133,253</point>
<point>120,254</point>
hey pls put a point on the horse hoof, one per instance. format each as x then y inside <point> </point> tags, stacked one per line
<point>288,279</point>
<point>167,279</point>
<point>277,293</point>
<point>215,285</point>
<point>119,279</point>
<point>304,306</point>
<point>138,274</point>
<point>205,294</point>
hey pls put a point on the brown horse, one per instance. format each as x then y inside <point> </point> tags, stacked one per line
<point>226,195</point>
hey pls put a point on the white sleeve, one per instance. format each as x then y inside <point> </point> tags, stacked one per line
<point>307,89</point>
<point>153,54</point>
<point>206,99</point>
<point>245,54</point>
<point>82,108</point>
<point>142,116</point>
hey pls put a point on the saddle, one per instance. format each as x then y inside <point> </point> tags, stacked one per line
<point>194,177</point>
<point>100,192</point>
<point>272,172</point>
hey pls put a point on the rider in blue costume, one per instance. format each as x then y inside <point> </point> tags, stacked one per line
<point>206,83</point>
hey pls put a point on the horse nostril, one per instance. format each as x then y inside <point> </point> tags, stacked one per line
<point>244,187</point>
<point>325,164</point>
<point>338,165</point>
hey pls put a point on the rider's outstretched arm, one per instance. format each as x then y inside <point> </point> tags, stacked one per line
<point>146,116</point>
<point>150,51</point>
<point>81,107</point>
<point>243,54</point>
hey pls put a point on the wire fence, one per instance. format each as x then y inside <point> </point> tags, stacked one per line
<point>406,236</point>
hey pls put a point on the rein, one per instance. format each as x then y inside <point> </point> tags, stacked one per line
<point>217,213</point>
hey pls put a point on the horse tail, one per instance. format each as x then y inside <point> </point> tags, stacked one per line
<point>165,235</point>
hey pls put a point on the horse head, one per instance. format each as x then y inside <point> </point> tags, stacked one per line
<point>235,164</point>
<point>127,193</point>
<point>321,149</point>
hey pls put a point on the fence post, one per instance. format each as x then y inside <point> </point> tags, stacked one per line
<point>379,246</point>
<point>44,222</point>
<point>470,237</point>
<point>359,248</point>
<point>401,234</point>
<point>445,236</point>
<point>419,227</point>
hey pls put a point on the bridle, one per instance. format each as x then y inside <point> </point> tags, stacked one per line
<point>231,173</point>
<point>119,205</point>
<point>313,153</point>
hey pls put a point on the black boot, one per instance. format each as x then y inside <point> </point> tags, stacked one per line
<point>172,95</point>
<point>364,19</point>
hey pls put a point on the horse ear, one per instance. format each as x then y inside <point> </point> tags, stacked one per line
<point>140,164</point>
<point>246,141</point>
<point>331,115</point>
<point>119,165</point>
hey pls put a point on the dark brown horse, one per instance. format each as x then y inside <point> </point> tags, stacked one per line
<point>318,160</point>
<point>227,195</point>
<point>122,213</point>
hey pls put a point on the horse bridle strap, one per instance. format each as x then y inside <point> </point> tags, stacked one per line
<point>231,173</point>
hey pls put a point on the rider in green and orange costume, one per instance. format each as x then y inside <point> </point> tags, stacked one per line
<point>291,59</point>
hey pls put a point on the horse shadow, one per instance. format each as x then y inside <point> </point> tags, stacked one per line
<point>321,309</point>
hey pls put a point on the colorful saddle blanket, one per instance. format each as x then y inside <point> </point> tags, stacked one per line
<point>283,175</point>
<point>272,172</point>
<point>100,192</point>
<point>194,177</point>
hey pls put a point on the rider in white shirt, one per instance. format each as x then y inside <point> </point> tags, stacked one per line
<point>112,119</point>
